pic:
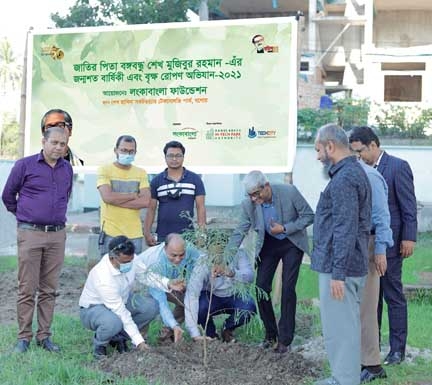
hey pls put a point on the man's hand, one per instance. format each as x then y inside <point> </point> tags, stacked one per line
<point>380,264</point>
<point>150,240</point>
<point>143,347</point>
<point>276,228</point>
<point>337,289</point>
<point>178,334</point>
<point>407,248</point>
<point>177,285</point>
<point>221,270</point>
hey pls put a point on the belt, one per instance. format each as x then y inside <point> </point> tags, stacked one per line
<point>44,228</point>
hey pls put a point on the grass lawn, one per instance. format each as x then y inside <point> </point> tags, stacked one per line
<point>74,366</point>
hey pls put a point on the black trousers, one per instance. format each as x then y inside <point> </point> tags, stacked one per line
<point>391,289</point>
<point>272,252</point>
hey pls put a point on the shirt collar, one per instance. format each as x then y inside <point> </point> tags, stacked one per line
<point>41,158</point>
<point>336,167</point>
<point>110,267</point>
<point>379,159</point>
<point>182,177</point>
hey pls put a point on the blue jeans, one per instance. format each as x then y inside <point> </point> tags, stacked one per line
<point>109,327</point>
<point>240,311</point>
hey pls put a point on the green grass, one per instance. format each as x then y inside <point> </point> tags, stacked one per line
<point>74,366</point>
<point>8,263</point>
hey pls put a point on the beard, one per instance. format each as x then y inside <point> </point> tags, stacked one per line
<point>326,162</point>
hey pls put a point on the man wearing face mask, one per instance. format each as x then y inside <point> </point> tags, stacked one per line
<point>124,190</point>
<point>108,305</point>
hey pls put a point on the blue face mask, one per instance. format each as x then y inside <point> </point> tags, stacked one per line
<point>125,159</point>
<point>125,267</point>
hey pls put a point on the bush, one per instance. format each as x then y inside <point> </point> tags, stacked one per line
<point>403,121</point>
<point>345,112</point>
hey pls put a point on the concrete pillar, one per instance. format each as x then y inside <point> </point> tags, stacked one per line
<point>368,29</point>
<point>203,10</point>
<point>312,43</point>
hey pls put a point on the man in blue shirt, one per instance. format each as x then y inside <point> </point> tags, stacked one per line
<point>340,253</point>
<point>174,192</point>
<point>403,222</point>
<point>381,238</point>
<point>175,260</point>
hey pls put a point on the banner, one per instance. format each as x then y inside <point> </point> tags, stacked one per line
<point>226,90</point>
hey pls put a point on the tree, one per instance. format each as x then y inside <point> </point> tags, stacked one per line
<point>9,137</point>
<point>112,12</point>
<point>10,70</point>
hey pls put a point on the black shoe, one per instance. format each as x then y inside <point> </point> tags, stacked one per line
<point>267,344</point>
<point>281,348</point>
<point>99,352</point>
<point>122,347</point>
<point>48,345</point>
<point>227,335</point>
<point>367,376</point>
<point>21,346</point>
<point>394,358</point>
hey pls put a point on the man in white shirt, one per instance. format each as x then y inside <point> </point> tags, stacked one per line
<point>108,304</point>
<point>219,289</point>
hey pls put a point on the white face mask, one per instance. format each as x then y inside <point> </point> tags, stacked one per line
<point>125,159</point>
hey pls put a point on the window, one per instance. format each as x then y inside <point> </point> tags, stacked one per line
<point>304,66</point>
<point>402,88</point>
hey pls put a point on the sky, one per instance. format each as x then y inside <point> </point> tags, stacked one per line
<point>17,16</point>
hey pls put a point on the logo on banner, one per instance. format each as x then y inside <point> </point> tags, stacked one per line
<point>223,134</point>
<point>186,133</point>
<point>53,51</point>
<point>261,134</point>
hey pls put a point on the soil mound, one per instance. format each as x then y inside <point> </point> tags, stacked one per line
<point>233,364</point>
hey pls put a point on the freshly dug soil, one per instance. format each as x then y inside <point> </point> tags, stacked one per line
<point>183,363</point>
<point>233,364</point>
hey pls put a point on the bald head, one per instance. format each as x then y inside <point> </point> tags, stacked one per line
<point>175,248</point>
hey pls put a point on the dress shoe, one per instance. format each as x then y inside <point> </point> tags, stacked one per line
<point>367,375</point>
<point>267,344</point>
<point>21,346</point>
<point>228,335</point>
<point>122,347</point>
<point>394,358</point>
<point>48,345</point>
<point>99,352</point>
<point>281,348</point>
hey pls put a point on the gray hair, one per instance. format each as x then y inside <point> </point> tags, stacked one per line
<point>60,130</point>
<point>174,237</point>
<point>254,180</point>
<point>334,133</point>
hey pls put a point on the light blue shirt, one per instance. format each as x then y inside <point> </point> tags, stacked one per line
<point>380,210</point>
<point>157,261</point>
<point>219,286</point>
<point>270,215</point>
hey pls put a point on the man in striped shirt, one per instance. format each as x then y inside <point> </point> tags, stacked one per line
<point>174,192</point>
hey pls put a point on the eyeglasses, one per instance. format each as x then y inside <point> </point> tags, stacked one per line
<point>174,156</point>
<point>121,248</point>
<point>256,193</point>
<point>126,151</point>
<point>58,124</point>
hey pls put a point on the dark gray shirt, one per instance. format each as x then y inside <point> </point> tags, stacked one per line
<point>342,222</point>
